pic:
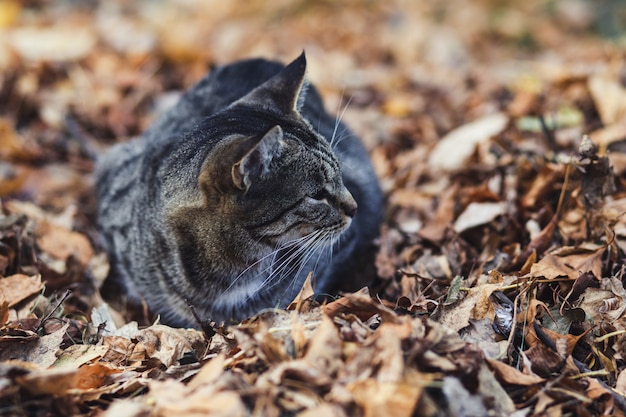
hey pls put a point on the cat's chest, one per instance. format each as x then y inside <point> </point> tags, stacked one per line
<point>273,274</point>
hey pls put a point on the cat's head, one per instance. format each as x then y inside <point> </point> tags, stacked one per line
<point>278,179</point>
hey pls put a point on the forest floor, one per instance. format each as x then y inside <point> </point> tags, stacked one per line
<point>497,129</point>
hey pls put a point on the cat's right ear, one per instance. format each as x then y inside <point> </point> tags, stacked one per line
<point>282,91</point>
<point>255,164</point>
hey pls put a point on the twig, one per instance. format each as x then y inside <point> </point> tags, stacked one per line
<point>56,307</point>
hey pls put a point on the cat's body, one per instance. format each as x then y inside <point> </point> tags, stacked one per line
<point>231,198</point>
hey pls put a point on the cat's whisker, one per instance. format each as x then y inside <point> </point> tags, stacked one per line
<point>274,271</point>
<point>308,249</point>
<point>304,249</point>
<point>287,256</point>
<point>290,255</point>
<point>344,134</point>
<point>279,275</point>
<point>320,247</point>
<point>290,245</point>
<point>338,119</point>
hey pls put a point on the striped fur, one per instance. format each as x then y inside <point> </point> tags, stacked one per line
<point>232,197</point>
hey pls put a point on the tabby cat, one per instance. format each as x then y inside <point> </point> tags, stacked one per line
<point>235,194</point>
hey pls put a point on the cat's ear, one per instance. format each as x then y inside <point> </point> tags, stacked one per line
<point>256,162</point>
<point>282,91</point>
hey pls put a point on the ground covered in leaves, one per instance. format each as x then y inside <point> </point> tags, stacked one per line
<point>498,131</point>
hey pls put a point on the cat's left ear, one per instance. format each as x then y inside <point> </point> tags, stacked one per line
<point>282,91</point>
<point>256,162</point>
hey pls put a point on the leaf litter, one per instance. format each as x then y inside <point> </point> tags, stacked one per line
<point>497,130</point>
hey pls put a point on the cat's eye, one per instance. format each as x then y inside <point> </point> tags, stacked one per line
<point>321,195</point>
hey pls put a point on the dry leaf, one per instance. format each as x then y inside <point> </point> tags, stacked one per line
<point>17,288</point>
<point>387,398</point>
<point>62,243</point>
<point>166,399</point>
<point>510,375</point>
<point>454,149</point>
<point>57,43</point>
<point>41,351</point>
<point>477,214</point>
<point>360,304</point>
<point>609,97</point>
<point>168,345</point>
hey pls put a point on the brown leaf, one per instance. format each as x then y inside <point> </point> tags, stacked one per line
<point>324,352</point>
<point>542,184</point>
<point>302,301</point>
<point>4,313</point>
<point>551,267</point>
<point>14,147</point>
<point>389,357</point>
<point>171,398</point>
<point>600,394</point>
<point>209,373</point>
<point>474,305</point>
<point>77,355</point>
<point>435,229</point>
<point>17,288</point>
<point>121,350</point>
<point>393,399</point>
<point>507,374</point>
<point>610,98</point>
<point>359,304</point>
<point>62,380</point>
<point>41,351</point>
<point>168,345</point>
<point>593,301</point>
<point>58,43</point>
<point>62,243</point>
<point>546,362</point>
<point>620,384</point>
<point>324,409</point>
<point>540,242</point>
<point>12,179</point>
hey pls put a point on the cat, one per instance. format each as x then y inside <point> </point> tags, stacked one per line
<point>232,197</point>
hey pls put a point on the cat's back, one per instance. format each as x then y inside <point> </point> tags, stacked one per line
<point>119,167</point>
<point>222,86</point>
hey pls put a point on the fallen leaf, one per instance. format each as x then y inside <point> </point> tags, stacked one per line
<point>165,398</point>
<point>167,344</point>
<point>474,305</point>
<point>609,97</point>
<point>14,147</point>
<point>324,351</point>
<point>62,243</point>
<point>77,355</point>
<point>306,293</point>
<point>477,214</point>
<point>454,149</point>
<point>510,375</point>
<point>16,288</point>
<point>55,43</point>
<point>41,351</point>
<point>63,380</point>
<point>387,398</point>
<point>324,409</point>
<point>360,304</point>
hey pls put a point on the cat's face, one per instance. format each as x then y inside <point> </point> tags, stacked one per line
<point>299,194</point>
<point>284,183</point>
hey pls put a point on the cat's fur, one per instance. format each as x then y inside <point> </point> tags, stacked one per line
<point>232,197</point>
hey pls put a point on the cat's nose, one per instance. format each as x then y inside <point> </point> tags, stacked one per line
<point>348,204</point>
